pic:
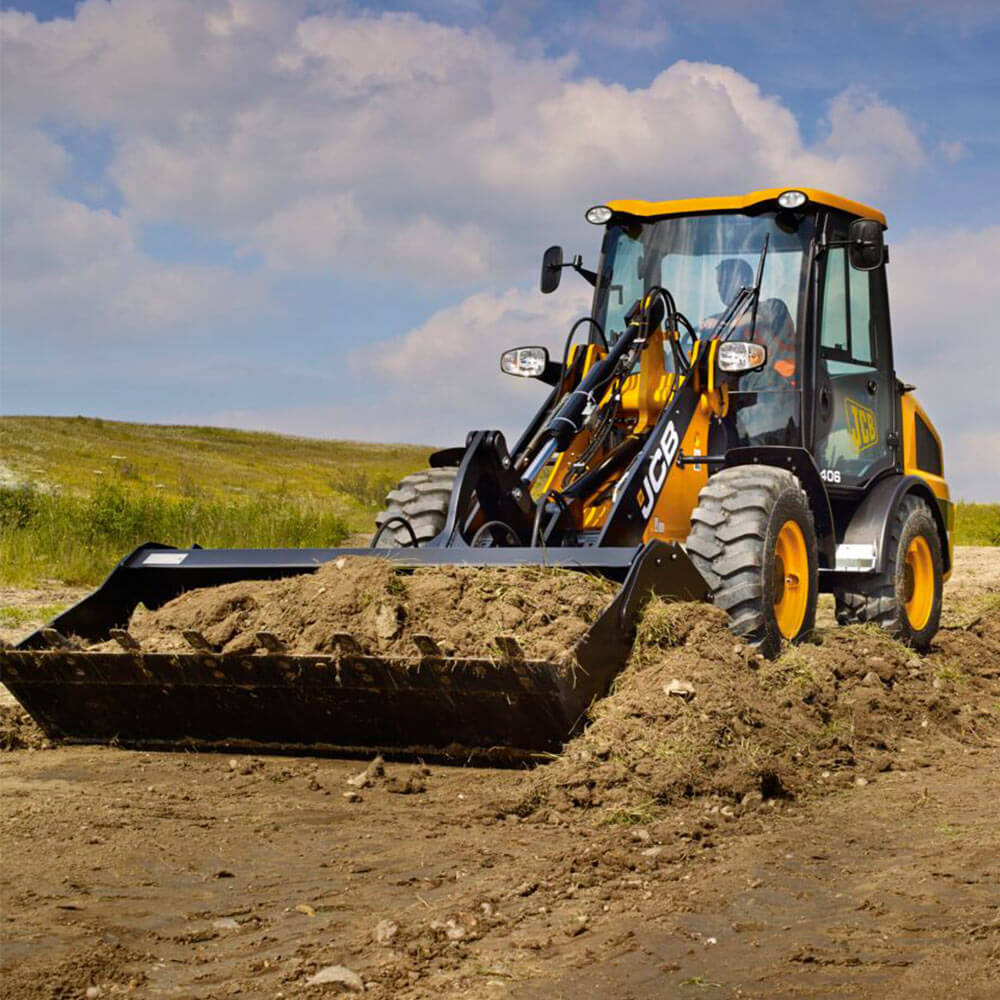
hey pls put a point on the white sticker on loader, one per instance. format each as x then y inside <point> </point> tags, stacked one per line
<point>164,558</point>
<point>659,465</point>
<point>855,558</point>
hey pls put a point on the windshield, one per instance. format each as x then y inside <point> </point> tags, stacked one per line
<point>704,261</point>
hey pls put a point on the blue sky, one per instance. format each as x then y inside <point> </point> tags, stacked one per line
<point>326,218</point>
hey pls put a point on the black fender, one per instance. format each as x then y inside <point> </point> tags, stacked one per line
<point>446,458</point>
<point>799,461</point>
<point>870,521</point>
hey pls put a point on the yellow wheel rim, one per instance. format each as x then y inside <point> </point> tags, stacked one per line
<point>918,583</point>
<point>791,579</point>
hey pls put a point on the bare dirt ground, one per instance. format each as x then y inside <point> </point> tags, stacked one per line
<point>825,826</point>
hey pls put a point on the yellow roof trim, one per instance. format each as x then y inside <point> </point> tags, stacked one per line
<point>685,206</point>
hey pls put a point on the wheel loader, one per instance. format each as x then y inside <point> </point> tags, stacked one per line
<point>725,424</point>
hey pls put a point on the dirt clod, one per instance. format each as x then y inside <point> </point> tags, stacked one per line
<point>385,931</point>
<point>338,976</point>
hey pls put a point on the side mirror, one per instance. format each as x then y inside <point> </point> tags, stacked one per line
<point>530,362</point>
<point>865,244</point>
<point>552,262</point>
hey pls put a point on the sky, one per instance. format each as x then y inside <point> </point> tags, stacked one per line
<point>327,218</point>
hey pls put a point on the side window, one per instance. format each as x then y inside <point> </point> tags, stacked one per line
<point>620,295</point>
<point>847,317</point>
<point>861,317</point>
<point>836,337</point>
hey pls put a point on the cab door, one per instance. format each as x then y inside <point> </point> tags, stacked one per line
<point>855,388</point>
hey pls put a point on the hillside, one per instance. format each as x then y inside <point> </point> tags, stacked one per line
<point>78,493</point>
<point>77,453</point>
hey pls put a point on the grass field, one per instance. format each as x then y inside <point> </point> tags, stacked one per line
<point>77,494</point>
<point>977,524</point>
<point>80,493</point>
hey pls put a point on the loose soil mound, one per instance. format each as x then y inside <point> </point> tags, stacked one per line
<point>18,731</point>
<point>461,608</point>
<point>697,714</point>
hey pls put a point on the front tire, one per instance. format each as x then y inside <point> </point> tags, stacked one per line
<point>421,500</point>
<point>906,598</point>
<point>753,540</point>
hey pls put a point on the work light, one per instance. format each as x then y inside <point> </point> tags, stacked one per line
<point>792,199</point>
<point>740,356</point>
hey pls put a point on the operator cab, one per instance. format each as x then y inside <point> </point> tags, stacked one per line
<point>814,301</point>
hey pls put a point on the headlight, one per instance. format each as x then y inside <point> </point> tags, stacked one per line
<point>598,215</point>
<point>739,356</point>
<point>792,199</point>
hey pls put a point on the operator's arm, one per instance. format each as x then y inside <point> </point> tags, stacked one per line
<point>777,331</point>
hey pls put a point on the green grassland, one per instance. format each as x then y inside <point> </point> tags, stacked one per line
<point>977,523</point>
<point>79,493</point>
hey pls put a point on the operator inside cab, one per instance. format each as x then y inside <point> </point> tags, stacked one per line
<point>775,328</point>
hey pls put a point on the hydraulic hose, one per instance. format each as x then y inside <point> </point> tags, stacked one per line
<point>567,421</point>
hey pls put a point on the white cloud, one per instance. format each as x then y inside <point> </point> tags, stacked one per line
<point>871,137</point>
<point>451,362</point>
<point>314,140</point>
<point>942,295</point>
<point>69,270</point>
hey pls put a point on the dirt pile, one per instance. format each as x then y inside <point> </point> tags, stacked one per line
<point>76,975</point>
<point>463,609</point>
<point>18,731</point>
<point>699,714</point>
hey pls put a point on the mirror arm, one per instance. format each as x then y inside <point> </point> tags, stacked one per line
<point>553,373</point>
<point>577,264</point>
<point>823,243</point>
<point>585,273</point>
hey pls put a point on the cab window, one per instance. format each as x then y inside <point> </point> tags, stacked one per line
<point>848,335</point>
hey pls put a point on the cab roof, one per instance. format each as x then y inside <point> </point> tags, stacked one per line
<point>736,203</point>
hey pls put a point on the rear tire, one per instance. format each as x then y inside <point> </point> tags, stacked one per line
<point>421,499</point>
<point>753,540</point>
<point>905,599</point>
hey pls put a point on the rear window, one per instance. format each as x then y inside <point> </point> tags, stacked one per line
<point>928,450</point>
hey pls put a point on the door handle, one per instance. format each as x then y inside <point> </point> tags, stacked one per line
<point>872,387</point>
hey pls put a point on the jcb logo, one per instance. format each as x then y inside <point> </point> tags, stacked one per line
<point>861,425</point>
<point>658,467</point>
